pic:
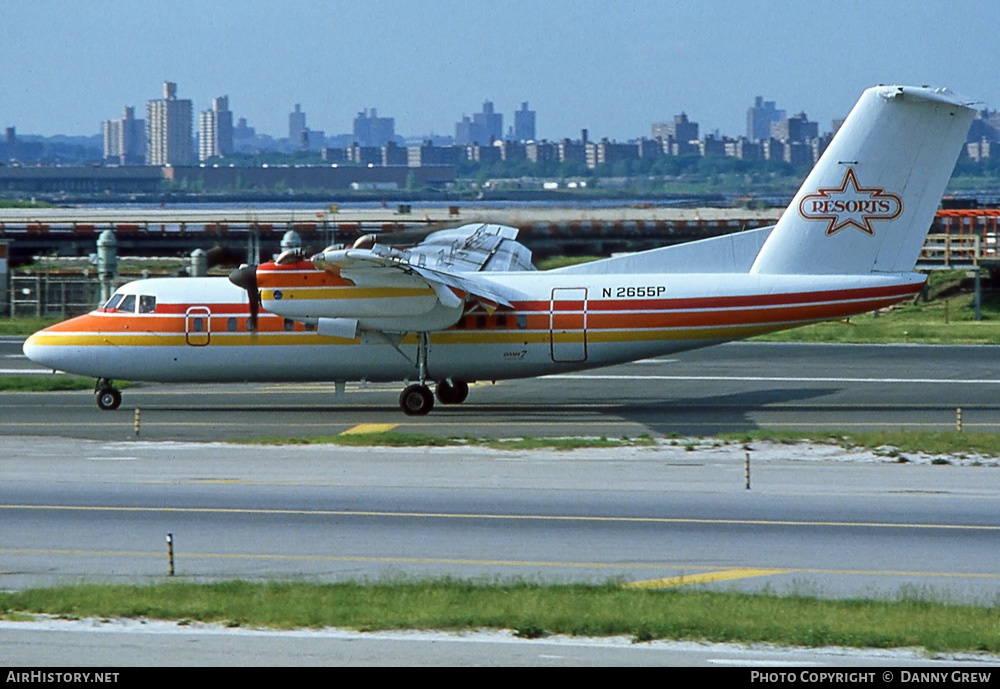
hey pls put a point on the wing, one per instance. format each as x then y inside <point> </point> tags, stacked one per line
<point>447,261</point>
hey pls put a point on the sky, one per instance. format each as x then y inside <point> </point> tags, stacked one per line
<point>611,66</point>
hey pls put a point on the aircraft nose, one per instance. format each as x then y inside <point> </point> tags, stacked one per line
<point>35,351</point>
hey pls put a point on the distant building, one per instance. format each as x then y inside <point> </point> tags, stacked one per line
<point>985,127</point>
<point>244,137</point>
<point>512,150</point>
<point>215,130</point>
<point>484,128</point>
<point>606,152</point>
<point>372,130</point>
<point>168,129</point>
<point>364,155</point>
<point>760,117</point>
<point>573,150</point>
<point>797,129</point>
<point>429,155</point>
<point>540,151</point>
<point>524,123</point>
<point>679,137</point>
<point>394,154</point>
<point>482,154</point>
<point>125,139</point>
<point>296,126</point>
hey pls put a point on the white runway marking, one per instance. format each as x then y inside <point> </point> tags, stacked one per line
<point>783,379</point>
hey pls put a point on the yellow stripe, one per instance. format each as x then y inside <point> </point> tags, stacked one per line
<point>370,428</point>
<point>709,577</point>
<point>335,293</point>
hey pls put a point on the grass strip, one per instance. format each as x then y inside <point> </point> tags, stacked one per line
<point>393,439</point>
<point>41,382</point>
<point>533,609</point>
<point>928,442</point>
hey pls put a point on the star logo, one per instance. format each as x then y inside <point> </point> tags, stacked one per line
<point>850,205</point>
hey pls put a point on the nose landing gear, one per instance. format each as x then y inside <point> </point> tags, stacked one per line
<point>107,397</point>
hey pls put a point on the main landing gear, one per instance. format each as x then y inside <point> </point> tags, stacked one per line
<point>417,400</point>
<point>107,396</point>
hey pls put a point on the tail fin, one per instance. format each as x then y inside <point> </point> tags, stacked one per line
<point>867,205</point>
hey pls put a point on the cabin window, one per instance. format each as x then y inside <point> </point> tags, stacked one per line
<point>480,322</point>
<point>147,303</point>
<point>113,302</point>
<point>310,327</point>
<point>289,325</point>
<point>502,320</point>
<point>128,304</point>
<point>231,324</point>
<point>522,322</point>
<point>198,324</point>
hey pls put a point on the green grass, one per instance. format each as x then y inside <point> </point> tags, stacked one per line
<point>533,609</point>
<point>25,326</point>
<point>930,442</point>
<point>41,382</point>
<point>392,439</point>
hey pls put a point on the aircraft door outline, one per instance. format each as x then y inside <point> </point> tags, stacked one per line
<point>568,324</point>
<point>198,326</point>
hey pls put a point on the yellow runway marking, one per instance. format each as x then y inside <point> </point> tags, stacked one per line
<point>370,428</point>
<point>688,579</point>
<point>721,574</point>
<point>509,517</point>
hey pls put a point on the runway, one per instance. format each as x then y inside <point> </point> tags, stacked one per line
<point>89,510</point>
<point>733,387</point>
<point>85,499</point>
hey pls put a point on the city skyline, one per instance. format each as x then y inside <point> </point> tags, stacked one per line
<point>71,66</point>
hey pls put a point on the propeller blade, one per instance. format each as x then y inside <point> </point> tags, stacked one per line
<point>245,277</point>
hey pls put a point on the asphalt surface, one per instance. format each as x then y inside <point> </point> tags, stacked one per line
<point>84,499</point>
<point>733,387</point>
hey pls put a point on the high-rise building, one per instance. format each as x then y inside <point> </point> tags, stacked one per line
<point>125,139</point>
<point>168,129</point>
<point>760,117</point>
<point>797,128</point>
<point>297,128</point>
<point>215,130</point>
<point>524,123</point>
<point>681,129</point>
<point>484,128</point>
<point>372,130</point>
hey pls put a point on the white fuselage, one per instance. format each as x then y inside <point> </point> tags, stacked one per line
<point>563,322</point>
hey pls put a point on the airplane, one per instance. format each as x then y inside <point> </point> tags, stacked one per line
<point>466,304</point>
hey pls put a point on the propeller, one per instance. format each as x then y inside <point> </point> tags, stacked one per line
<point>245,277</point>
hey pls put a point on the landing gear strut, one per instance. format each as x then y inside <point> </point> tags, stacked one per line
<point>107,396</point>
<point>416,399</point>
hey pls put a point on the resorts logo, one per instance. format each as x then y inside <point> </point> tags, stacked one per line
<point>850,205</point>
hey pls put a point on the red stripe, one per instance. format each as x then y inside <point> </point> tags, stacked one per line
<point>723,302</point>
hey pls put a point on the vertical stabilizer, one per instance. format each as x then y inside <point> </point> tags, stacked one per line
<point>869,202</point>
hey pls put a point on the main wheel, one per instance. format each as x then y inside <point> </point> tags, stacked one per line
<point>416,400</point>
<point>452,393</point>
<point>108,398</point>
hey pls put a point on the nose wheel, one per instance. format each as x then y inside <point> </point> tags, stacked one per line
<point>107,397</point>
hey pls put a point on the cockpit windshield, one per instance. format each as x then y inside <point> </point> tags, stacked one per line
<point>126,303</point>
<point>113,302</point>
